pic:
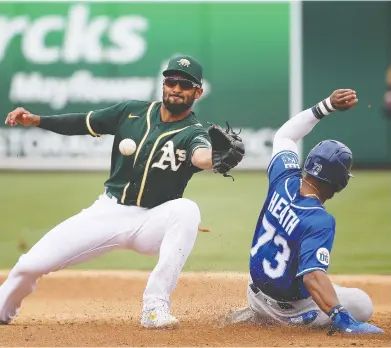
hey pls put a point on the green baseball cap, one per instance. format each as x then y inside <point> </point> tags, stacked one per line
<point>185,65</point>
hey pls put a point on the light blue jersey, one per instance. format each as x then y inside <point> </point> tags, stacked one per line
<point>294,234</point>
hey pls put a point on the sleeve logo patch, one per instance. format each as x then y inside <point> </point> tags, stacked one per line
<point>290,161</point>
<point>323,256</point>
<point>204,141</point>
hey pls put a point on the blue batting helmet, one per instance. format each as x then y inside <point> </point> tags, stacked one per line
<point>330,161</point>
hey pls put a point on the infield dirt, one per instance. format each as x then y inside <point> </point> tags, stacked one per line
<point>102,308</point>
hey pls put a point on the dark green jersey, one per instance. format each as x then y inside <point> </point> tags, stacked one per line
<point>161,167</point>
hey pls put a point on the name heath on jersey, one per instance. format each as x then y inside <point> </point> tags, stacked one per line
<point>281,210</point>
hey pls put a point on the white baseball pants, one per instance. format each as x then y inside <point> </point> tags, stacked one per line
<point>169,229</point>
<point>270,311</point>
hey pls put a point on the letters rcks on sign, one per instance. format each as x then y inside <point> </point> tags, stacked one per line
<point>82,37</point>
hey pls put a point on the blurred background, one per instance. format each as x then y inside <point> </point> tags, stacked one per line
<point>263,63</point>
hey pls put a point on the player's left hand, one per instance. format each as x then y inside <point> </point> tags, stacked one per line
<point>227,148</point>
<point>343,99</point>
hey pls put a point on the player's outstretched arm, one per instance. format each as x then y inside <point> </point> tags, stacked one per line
<point>322,291</point>
<point>298,127</point>
<point>67,124</point>
<point>202,158</point>
<point>225,150</point>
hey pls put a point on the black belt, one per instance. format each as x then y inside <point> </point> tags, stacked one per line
<point>255,289</point>
<point>281,303</point>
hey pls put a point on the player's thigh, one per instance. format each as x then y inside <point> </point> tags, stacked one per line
<point>180,216</point>
<point>263,313</point>
<point>99,228</point>
<point>302,312</point>
<point>356,301</point>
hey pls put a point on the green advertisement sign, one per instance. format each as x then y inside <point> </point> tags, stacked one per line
<point>365,129</point>
<point>64,57</point>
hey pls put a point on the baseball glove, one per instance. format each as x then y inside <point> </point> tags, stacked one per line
<point>227,148</point>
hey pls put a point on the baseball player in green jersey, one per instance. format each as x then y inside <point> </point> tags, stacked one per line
<point>142,208</point>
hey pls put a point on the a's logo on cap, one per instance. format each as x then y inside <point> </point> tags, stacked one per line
<point>184,62</point>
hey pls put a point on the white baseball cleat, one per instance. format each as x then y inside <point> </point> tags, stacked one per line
<point>158,318</point>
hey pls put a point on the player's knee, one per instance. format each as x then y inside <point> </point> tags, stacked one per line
<point>27,267</point>
<point>365,306</point>
<point>359,305</point>
<point>186,211</point>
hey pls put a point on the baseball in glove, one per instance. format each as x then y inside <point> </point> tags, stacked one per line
<point>227,148</point>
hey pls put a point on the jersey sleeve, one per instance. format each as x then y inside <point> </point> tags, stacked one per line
<point>105,121</point>
<point>282,165</point>
<point>314,251</point>
<point>199,138</point>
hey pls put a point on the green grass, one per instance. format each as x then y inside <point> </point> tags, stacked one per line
<point>32,203</point>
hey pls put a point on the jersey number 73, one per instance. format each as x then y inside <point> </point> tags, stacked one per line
<point>281,257</point>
